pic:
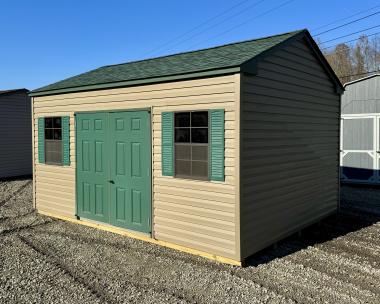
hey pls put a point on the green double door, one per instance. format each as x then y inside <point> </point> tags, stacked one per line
<point>114,168</point>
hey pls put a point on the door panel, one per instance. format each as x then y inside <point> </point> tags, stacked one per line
<point>92,166</point>
<point>130,204</point>
<point>358,158</point>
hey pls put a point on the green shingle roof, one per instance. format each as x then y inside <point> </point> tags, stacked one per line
<point>212,59</point>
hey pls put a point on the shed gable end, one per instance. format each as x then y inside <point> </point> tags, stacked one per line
<point>362,96</point>
<point>290,146</point>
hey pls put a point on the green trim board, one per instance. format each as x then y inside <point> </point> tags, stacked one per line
<point>226,59</point>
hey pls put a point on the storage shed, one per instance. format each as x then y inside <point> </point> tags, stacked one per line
<point>218,152</point>
<point>360,137</point>
<point>15,133</point>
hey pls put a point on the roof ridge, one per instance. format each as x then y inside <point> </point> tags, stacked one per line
<point>374,74</point>
<point>209,48</point>
<point>221,58</point>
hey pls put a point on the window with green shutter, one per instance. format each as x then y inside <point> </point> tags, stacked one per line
<point>54,140</point>
<point>193,144</point>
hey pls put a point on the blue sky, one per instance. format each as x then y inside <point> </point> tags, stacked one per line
<point>46,41</point>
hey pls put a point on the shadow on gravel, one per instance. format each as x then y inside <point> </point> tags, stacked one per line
<point>359,208</point>
<point>16,178</point>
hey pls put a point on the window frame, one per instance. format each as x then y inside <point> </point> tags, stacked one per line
<point>190,144</point>
<point>50,163</point>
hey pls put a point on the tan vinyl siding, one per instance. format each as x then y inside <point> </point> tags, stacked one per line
<point>15,135</point>
<point>196,214</point>
<point>290,141</point>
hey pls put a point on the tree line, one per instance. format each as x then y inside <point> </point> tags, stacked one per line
<point>353,61</point>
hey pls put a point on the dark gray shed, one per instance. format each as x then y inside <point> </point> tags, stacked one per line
<point>15,133</point>
<point>360,138</point>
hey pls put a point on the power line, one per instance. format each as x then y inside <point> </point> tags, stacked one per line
<point>244,23</point>
<point>345,18</point>
<point>198,26</point>
<point>215,25</point>
<point>348,41</point>
<point>369,28</point>
<point>348,23</point>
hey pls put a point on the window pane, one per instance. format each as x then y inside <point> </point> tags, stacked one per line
<point>48,133</point>
<point>48,123</point>
<point>199,135</point>
<point>182,119</point>
<point>182,135</point>
<point>57,122</point>
<point>53,145</point>
<point>183,152</point>
<point>199,119</point>
<point>53,157</point>
<point>183,168</point>
<point>200,153</point>
<point>58,134</point>
<point>200,169</point>
<point>53,151</point>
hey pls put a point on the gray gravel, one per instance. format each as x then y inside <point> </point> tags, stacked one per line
<point>43,260</point>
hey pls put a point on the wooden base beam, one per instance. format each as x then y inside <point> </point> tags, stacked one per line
<point>145,238</point>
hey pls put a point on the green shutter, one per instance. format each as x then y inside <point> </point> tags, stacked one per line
<point>66,140</point>
<point>216,144</point>
<point>167,149</point>
<point>41,140</point>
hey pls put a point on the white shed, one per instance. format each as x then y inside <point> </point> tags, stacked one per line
<point>360,136</point>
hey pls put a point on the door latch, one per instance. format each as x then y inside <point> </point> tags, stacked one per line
<point>111,181</point>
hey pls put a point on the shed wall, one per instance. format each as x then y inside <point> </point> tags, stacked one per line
<point>15,135</point>
<point>362,97</point>
<point>289,147</point>
<point>197,214</point>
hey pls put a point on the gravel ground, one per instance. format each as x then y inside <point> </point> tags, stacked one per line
<point>43,260</point>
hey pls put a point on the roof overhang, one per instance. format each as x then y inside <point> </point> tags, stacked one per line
<point>362,79</point>
<point>250,66</point>
<point>10,92</point>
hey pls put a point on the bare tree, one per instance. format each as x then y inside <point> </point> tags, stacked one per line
<point>359,63</point>
<point>341,61</point>
<point>355,61</point>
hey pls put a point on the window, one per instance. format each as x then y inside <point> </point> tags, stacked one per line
<point>191,144</point>
<point>53,140</point>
